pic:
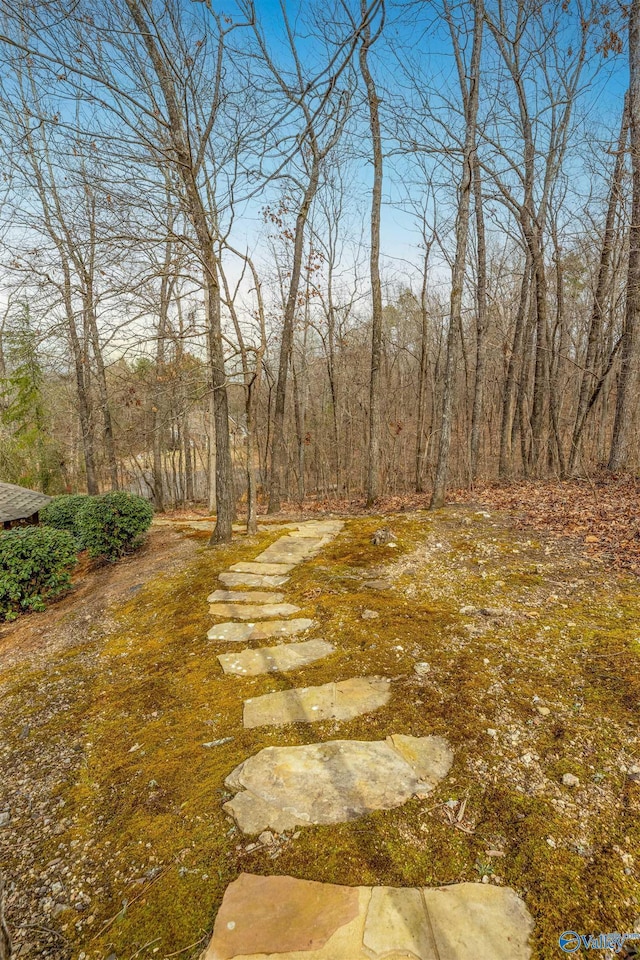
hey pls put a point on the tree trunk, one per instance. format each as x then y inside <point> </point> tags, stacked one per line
<point>278,449</point>
<point>505,467</point>
<point>626,400</point>
<point>470,95</point>
<point>481,325</point>
<point>589,380</point>
<point>375,414</point>
<point>421,444</point>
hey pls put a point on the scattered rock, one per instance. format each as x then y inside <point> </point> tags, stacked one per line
<point>5,817</point>
<point>633,773</point>
<point>422,668</point>
<point>570,780</point>
<point>382,536</point>
<point>543,711</point>
<point>378,585</point>
<point>266,838</point>
<point>218,743</point>
<point>370,614</point>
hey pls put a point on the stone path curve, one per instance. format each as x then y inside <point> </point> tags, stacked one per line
<point>283,788</point>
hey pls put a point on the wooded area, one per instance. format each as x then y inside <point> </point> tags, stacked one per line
<point>347,249</point>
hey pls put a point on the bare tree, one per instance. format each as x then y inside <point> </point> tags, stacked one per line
<point>469,89</point>
<point>626,396</point>
<point>368,38</point>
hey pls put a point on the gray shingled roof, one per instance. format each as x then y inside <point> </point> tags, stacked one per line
<point>17,503</point>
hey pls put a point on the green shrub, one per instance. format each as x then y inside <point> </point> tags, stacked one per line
<point>62,513</point>
<point>113,523</point>
<point>35,563</point>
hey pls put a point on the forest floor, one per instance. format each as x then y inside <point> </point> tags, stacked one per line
<point>118,728</point>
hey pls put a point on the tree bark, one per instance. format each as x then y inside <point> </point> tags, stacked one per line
<point>481,325</point>
<point>470,96</point>
<point>626,400</point>
<point>375,413</point>
<point>278,447</point>
<point>589,379</point>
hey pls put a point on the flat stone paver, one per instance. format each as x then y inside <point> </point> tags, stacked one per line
<point>252,611</point>
<point>251,566</point>
<point>280,659</point>
<point>237,579</point>
<point>281,788</point>
<point>239,632</point>
<point>289,919</point>
<point>245,596</point>
<point>331,701</point>
<point>321,528</point>
<point>291,549</point>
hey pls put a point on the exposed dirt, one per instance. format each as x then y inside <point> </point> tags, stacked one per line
<point>96,586</point>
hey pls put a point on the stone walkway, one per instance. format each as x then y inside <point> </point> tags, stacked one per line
<point>281,917</point>
<point>285,788</point>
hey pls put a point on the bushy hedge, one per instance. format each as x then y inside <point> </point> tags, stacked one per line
<point>113,523</point>
<point>35,563</point>
<point>62,513</point>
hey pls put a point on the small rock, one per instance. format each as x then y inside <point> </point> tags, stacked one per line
<point>24,733</point>
<point>266,838</point>
<point>370,614</point>
<point>570,780</point>
<point>378,585</point>
<point>382,536</point>
<point>543,711</point>
<point>491,732</point>
<point>485,878</point>
<point>5,817</point>
<point>422,668</point>
<point>633,773</point>
<point>218,743</point>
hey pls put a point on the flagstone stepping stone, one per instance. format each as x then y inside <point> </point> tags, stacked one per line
<point>250,566</point>
<point>286,656</point>
<point>289,919</point>
<point>327,528</point>
<point>331,701</point>
<point>248,596</point>
<point>291,549</point>
<point>240,632</point>
<point>281,788</point>
<point>233,579</point>
<point>253,611</point>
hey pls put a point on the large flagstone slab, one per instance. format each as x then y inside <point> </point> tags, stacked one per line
<point>252,611</point>
<point>291,549</point>
<point>281,788</point>
<point>284,918</point>
<point>240,632</point>
<point>250,566</point>
<point>245,596</point>
<point>280,659</point>
<point>331,701</point>
<point>237,579</point>
<point>321,528</point>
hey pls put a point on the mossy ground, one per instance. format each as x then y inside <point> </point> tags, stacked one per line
<point>507,625</point>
